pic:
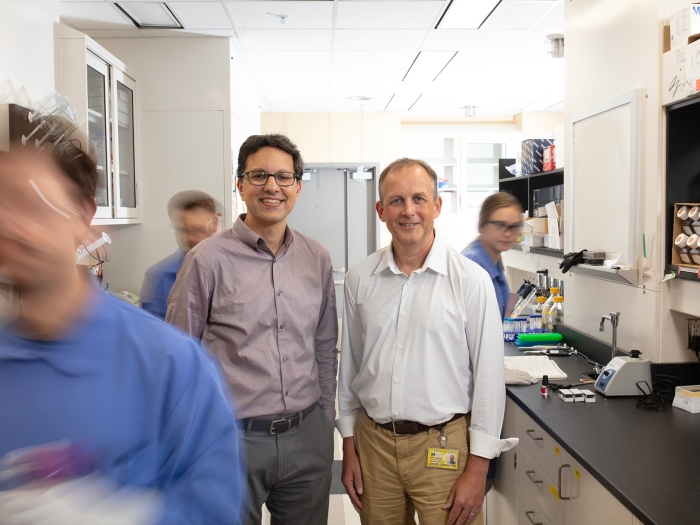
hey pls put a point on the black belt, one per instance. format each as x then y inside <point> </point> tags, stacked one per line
<point>276,426</point>
<point>412,427</point>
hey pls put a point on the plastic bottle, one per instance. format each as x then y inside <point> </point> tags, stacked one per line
<point>540,304</point>
<point>556,314</point>
<point>547,306</point>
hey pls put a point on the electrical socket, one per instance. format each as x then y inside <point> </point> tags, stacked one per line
<point>693,329</point>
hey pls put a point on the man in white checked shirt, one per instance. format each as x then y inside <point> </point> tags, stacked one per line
<point>421,392</point>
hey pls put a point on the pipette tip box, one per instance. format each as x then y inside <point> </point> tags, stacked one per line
<point>687,398</point>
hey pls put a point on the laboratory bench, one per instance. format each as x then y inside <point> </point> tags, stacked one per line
<point>646,463</point>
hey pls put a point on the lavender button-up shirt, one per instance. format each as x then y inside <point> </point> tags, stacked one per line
<point>270,319</point>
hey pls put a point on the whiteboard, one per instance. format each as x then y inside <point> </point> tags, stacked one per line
<point>603,179</point>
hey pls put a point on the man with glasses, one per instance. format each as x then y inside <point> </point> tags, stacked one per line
<point>193,218</point>
<point>261,297</point>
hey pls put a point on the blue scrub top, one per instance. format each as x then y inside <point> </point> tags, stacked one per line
<point>147,400</point>
<point>158,282</point>
<point>476,252</point>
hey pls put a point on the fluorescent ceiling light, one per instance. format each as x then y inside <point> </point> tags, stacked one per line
<point>467,14</point>
<point>402,101</point>
<point>428,65</point>
<point>150,15</point>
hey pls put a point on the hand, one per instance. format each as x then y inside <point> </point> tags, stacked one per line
<point>467,495</point>
<point>352,473</point>
<point>518,377</point>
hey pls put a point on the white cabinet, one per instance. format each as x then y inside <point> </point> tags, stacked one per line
<point>538,482</point>
<point>102,88</point>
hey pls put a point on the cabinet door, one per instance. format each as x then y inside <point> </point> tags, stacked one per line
<point>99,132</point>
<point>502,500</point>
<point>542,447</point>
<point>588,501</point>
<point>125,165</point>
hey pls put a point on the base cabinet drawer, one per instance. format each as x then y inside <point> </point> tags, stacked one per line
<point>528,512</point>
<point>502,500</point>
<point>542,447</point>
<point>541,489</point>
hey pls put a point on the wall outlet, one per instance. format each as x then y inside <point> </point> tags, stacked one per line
<point>693,329</point>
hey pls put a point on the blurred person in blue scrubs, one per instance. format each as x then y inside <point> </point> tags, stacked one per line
<point>108,414</point>
<point>500,224</point>
<point>192,219</point>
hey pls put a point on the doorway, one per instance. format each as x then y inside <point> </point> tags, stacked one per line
<point>336,208</point>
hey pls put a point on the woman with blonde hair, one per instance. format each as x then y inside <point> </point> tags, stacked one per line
<point>500,224</point>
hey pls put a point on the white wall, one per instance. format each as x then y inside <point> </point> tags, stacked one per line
<point>185,93</point>
<point>27,49</point>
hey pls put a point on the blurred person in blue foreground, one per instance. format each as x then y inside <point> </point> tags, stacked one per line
<point>192,219</point>
<point>108,414</point>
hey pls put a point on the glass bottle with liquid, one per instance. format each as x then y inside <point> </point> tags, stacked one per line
<point>686,221</point>
<point>540,304</point>
<point>682,247</point>
<point>556,314</point>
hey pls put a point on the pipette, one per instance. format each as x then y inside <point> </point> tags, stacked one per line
<point>83,251</point>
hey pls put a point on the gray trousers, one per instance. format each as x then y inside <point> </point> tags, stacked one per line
<point>291,472</point>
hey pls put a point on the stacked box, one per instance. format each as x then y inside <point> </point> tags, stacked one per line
<point>532,157</point>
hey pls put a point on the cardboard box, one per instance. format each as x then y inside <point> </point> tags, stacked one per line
<point>535,225</point>
<point>548,163</point>
<point>692,68</point>
<point>532,155</point>
<point>677,230</point>
<point>673,76</point>
<point>685,23</point>
<point>536,240</point>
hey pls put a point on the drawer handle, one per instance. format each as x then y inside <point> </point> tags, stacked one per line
<point>527,514</point>
<point>560,496</point>
<point>531,478</point>
<point>532,436</point>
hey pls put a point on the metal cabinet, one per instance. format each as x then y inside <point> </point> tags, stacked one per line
<point>102,88</point>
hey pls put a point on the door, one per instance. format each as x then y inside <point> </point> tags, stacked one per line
<point>99,132</point>
<point>320,214</point>
<point>123,124</point>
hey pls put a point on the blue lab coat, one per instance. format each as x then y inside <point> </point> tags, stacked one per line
<point>476,252</point>
<point>145,398</point>
<point>158,282</point>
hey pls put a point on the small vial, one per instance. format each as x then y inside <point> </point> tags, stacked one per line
<point>535,323</point>
<point>545,385</point>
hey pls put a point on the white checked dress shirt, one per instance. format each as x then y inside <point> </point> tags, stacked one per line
<point>423,347</point>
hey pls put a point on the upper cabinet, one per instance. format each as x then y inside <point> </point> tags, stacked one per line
<point>101,87</point>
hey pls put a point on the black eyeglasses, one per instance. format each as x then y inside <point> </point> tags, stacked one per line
<point>505,227</point>
<point>259,178</point>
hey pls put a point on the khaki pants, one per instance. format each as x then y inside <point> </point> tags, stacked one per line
<point>397,482</point>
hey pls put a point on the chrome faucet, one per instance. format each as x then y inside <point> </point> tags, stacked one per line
<point>614,319</point>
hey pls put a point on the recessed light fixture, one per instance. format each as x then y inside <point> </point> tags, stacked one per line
<point>469,111</point>
<point>557,42</point>
<point>149,15</point>
<point>359,98</point>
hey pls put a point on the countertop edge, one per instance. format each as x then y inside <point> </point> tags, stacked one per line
<point>628,503</point>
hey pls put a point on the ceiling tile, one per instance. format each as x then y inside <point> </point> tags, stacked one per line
<point>373,59</point>
<point>358,75</point>
<point>93,15</point>
<point>284,77</point>
<point>293,104</point>
<point>287,39</point>
<point>468,39</point>
<point>291,59</point>
<point>202,15</point>
<point>517,15</point>
<point>387,15</point>
<point>530,41</point>
<point>427,66</point>
<point>552,21</point>
<point>301,15</point>
<point>403,101</point>
<point>378,40</point>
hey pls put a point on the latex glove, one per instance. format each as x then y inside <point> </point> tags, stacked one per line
<point>91,500</point>
<point>518,377</point>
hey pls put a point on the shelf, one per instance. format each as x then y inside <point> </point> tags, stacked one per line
<point>541,251</point>
<point>558,171</point>
<point>629,277</point>
<point>447,190</point>
<point>686,272</point>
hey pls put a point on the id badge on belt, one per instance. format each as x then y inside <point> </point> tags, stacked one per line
<point>442,457</point>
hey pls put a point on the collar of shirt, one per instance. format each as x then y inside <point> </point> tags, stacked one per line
<point>436,259</point>
<point>483,259</point>
<point>251,239</point>
<point>62,353</point>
